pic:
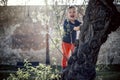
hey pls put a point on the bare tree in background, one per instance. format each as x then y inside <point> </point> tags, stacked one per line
<point>101,18</point>
<point>3,2</point>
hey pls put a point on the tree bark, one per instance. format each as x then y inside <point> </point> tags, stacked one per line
<point>101,18</point>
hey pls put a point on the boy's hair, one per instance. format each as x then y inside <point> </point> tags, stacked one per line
<point>70,7</point>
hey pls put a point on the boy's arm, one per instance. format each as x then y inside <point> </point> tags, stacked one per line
<point>64,26</point>
<point>77,28</point>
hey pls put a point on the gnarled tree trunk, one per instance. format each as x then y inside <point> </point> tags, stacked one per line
<point>100,19</point>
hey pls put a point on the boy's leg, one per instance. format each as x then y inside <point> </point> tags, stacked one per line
<point>66,51</point>
<point>72,48</point>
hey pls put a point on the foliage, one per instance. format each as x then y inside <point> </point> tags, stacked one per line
<point>102,67</point>
<point>40,72</point>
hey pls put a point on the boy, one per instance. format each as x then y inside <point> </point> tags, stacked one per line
<point>71,26</point>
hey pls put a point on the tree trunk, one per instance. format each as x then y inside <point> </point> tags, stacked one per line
<point>100,19</point>
<point>47,46</point>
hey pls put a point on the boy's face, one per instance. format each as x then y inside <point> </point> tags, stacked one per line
<point>72,14</point>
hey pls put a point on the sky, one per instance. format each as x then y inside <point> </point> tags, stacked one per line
<point>42,2</point>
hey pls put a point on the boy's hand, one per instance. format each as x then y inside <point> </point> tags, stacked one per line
<point>76,28</point>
